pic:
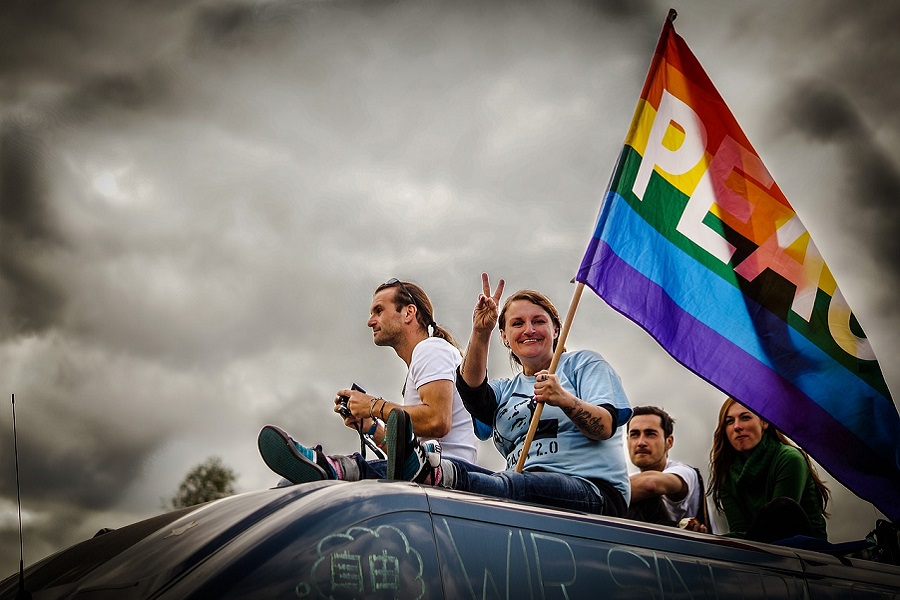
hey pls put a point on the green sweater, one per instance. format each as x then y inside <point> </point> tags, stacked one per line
<point>772,470</point>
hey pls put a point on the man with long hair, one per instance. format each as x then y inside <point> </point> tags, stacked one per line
<point>402,318</point>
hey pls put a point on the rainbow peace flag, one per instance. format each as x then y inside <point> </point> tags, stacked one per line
<point>697,244</point>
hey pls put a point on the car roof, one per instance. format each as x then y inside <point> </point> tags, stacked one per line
<point>152,556</point>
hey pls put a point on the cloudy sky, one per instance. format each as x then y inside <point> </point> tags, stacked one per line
<point>198,197</point>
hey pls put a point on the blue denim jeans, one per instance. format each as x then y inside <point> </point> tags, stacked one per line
<point>539,487</point>
<point>375,469</point>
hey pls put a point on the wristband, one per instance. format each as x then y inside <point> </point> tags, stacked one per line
<point>372,407</point>
<point>381,410</point>
<point>373,428</point>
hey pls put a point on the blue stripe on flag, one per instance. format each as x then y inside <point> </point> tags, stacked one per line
<point>704,286</point>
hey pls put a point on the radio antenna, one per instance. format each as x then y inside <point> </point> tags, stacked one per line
<point>22,593</point>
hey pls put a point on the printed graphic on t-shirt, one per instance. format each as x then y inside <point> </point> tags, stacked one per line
<point>517,412</point>
<point>514,419</point>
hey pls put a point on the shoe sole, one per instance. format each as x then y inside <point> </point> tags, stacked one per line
<point>279,453</point>
<point>395,440</point>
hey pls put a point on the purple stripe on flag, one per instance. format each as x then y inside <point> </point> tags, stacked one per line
<point>838,388</point>
<point>704,351</point>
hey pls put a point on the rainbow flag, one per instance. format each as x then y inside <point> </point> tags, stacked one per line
<point>697,244</point>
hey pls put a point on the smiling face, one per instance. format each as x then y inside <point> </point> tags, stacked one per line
<point>529,332</point>
<point>743,428</point>
<point>647,443</point>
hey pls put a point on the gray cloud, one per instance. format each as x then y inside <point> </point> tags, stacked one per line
<point>863,53</point>
<point>24,207</point>
<point>826,116</point>
<point>30,235</point>
<point>822,113</point>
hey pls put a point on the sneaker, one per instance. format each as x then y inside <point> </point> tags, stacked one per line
<point>432,450</point>
<point>291,460</point>
<point>400,441</point>
<point>407,458</point>
<point>431,473</point>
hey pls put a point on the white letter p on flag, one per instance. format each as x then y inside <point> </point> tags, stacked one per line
<point>677,161</point>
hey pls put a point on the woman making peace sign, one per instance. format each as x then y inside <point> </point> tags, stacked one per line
<point>576,460</point>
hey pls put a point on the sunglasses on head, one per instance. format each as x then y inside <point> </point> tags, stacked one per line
<point>394,281</point>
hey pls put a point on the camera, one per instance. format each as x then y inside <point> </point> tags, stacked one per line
<point>344,410</point>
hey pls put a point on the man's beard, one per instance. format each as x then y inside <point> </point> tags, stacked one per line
<point>387,338</point>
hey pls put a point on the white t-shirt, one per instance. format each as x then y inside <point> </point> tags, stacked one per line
<point>434,359</point>
<point>690,504</point>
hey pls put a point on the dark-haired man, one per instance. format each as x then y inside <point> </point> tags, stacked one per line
<point>665,491</point>
<point>401,317</point>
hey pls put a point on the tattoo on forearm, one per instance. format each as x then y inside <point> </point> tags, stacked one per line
<point>591,425</point>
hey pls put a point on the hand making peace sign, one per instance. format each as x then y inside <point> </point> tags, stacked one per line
<point>484,319</point>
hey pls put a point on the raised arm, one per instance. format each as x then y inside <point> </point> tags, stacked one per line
<point>484,320</point>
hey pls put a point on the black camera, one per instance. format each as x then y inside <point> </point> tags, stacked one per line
<point>344,410</point>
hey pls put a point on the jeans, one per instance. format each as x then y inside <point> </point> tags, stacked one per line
<point>376,469</point>
<point>538,487</point>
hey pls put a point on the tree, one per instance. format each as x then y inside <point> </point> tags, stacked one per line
<point>210,480</point>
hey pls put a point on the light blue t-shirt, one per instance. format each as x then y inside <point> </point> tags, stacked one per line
<point>558,445</point>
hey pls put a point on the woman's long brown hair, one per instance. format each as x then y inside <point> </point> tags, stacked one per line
<point>722,456</point>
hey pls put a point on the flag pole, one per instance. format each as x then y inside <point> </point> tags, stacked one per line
<point>532,428</point>
<point>560,344</point>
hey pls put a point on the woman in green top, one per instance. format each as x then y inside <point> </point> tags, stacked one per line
<point>767,487</point>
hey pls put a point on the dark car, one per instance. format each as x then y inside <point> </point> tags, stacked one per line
<point>380,539</point>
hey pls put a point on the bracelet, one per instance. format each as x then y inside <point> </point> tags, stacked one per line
<point>373,428</point>
<point>372,408</point>
<point>381,410</point>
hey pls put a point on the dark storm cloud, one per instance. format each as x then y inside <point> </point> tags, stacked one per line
<point>864,55</point>
<point>51,45</point>
<point>821,112</point>
<point>857,93</point>
<point>28,234</point>
<point>122,91</point>
<point>236,25</point>
<point>47,41</point>
<point>34,244</point>
<point>92,473</point>
<point>872,191</point>
<point>230,26</point>
<point>23,199</point>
